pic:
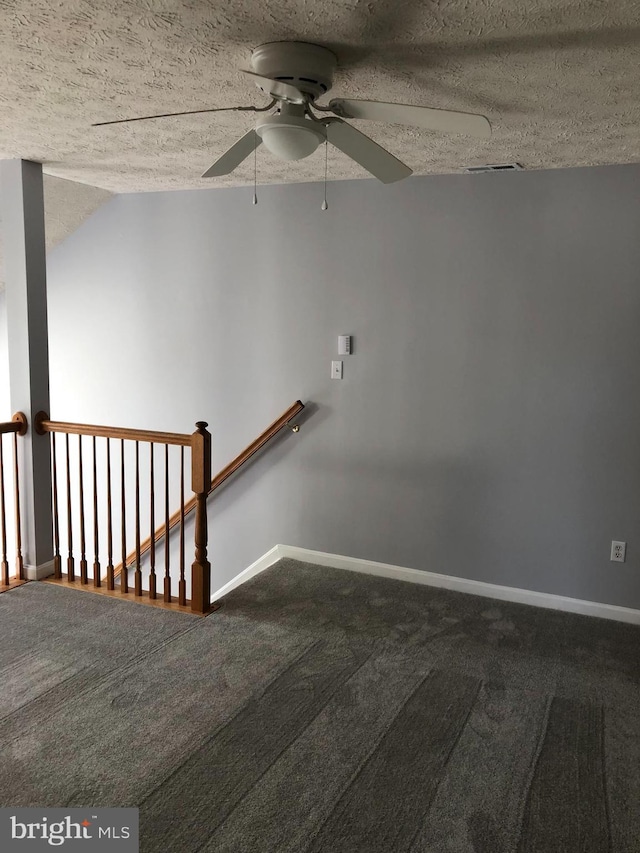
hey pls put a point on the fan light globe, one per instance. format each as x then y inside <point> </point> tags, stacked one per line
<point>290,138</point>
<point>289,143</point>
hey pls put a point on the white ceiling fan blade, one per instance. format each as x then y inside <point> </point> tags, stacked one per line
<point>446,121</point>
<point>278,89</point>
<point>234,156</point>
<point>366,152</point>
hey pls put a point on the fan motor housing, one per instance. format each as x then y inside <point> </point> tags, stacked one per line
<point>308,67</point>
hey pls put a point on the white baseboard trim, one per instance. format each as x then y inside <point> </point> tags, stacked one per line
<point>272,556</point>
<point>37,573</point>
<point>386,570</point>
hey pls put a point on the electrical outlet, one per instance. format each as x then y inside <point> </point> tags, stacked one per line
<point>618,551</point>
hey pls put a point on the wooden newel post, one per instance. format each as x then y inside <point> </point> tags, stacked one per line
<point>200,484</point>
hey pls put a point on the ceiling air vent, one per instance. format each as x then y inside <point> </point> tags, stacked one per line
<point>499,167</point>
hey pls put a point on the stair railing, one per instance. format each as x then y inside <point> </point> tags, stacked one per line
<point>10,494</point>
<point>134,446</point>
<point>178,517</point>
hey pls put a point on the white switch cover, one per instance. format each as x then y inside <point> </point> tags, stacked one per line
<point>618,551</point>
<point>336,370</point>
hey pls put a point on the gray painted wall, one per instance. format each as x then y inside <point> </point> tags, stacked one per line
<point>5,401</point>
<point>488,422</point>
<point>5,414</point>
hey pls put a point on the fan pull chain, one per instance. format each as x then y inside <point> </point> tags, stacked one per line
<point>324,205</point>
<point>255,171</point>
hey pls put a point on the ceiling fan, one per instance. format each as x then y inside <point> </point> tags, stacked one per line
<point>294,75</point>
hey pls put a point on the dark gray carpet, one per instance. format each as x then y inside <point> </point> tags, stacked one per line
<point>322,710</point>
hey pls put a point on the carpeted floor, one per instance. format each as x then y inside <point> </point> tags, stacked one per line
<point>323,710</point>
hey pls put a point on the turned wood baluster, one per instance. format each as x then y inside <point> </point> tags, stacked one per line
<point>152,513</point>
<point>96,532</point>
<point>138,571</point>
<point>83,542</point>
<point>200,483</point>
<point>182,584</point>
<point>4,564</point>
<point>16,482</point>
<point>124,576</point>
<point>110,578</point>
<point>57,562</point>
<point>167,576</point>
<point>71,572</point>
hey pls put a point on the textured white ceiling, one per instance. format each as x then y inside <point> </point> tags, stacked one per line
<point>559,81</point>
<point>66,206</point>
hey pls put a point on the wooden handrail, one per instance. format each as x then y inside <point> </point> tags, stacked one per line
<point>42,425</point>
<point>17,424</point>
<point>248,452</point>
<point>272,430</point>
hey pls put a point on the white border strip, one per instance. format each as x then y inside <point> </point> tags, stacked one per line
<point>386,570</point>
<point>254,569</point>
<point>38,573</point>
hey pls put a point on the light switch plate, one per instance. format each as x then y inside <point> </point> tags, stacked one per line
<point>336,370</point>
